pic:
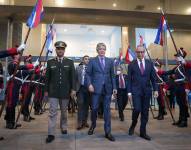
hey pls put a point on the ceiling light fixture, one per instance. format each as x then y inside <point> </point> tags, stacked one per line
<point>188,10</point>
<point>114,5</point>
<point>2,1</point>
<point>60,2</point>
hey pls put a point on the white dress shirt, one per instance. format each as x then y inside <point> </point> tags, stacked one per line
<point>143,61</point>
<point>138,61</point>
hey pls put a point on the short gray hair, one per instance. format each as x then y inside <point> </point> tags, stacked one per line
<point>141,47</point>
<point>99,45</point>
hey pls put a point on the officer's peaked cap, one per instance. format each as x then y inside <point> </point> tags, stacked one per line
<point>60,44</point>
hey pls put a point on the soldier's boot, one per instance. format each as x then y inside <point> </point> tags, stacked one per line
<point>183,124</point>
<point>26,118</point>
<point>177,122</point>
<point>160,117</point>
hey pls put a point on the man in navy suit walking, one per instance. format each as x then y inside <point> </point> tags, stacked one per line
<point>101,82</point>
<point>141,75</point>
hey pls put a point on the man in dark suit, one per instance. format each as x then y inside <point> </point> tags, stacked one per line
<point>59,86</point>
<point>121,83</point>
<point>101,82</point>
<point>141,74</point>
<point>83,95</point>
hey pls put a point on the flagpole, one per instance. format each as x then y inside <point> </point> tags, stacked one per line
<point>165,50</point>
<point>45,40</point>
<point>172,38</point>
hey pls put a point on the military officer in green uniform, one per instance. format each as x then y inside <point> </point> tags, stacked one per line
<point>59,86</point>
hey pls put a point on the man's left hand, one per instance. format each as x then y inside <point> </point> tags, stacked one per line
<point>114,92</point>
<point>73,94</point>
<point>155,94</point>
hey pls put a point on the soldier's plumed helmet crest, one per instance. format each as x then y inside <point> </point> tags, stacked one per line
<point>181,52</point>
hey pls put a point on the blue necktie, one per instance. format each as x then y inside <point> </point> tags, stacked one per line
<point>102,63</point>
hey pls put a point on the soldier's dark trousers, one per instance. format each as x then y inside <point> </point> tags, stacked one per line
<point>10,115</point>
<point>161,101</point>
<point>181,101</point>
<point>12,97</point>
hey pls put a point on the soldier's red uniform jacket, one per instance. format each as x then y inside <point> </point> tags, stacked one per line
<point>13,84</point>
<point>9,52</point>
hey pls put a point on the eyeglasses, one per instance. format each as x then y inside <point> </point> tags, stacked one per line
<point>140,52</point>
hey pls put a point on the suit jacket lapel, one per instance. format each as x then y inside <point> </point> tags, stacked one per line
<point>146,66</point>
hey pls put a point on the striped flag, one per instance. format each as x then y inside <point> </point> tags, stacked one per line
<point>142,42</point>
<point>36,15</point>
<point>130,55</point>
<point>50,37</point>
<point>120,57</point>
<point>162,27</point>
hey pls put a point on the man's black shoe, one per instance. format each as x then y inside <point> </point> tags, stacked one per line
<point>182,124</point>
<point>10,126</point>
<point>1,138</point>
<point>50,138</point>
<point>121,118</point>
<point>145,136</point>
<point>26,119</point>
<point>31,118</point>
<point>91,131</point>
<point>110,137</point>
<point>79,127</point>
<point>131,131</point>
<point>64,131</point>
<point>161,117</point>
<point>177,123</point>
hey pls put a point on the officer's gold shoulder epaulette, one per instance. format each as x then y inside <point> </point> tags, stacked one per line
<point>52,59</point>
<point>67,59</point>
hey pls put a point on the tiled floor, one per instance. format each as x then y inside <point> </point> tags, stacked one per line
<point>31,136</point>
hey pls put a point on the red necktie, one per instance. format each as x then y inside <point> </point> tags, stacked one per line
<point>142,67</point>
<point>121,82</point>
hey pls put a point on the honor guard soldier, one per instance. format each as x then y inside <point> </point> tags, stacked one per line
<point>59,86</point>
<point>26,91</point>
<point>122,99</point>
<point>39,90</point>
<point>13,88</point>
<point>161,89</point>
<point>179,75</point>
<point>6,53</point>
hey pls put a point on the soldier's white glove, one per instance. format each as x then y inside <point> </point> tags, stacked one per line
<point>42,68</point>
<point>21,48</point>
<point>181,59</point>
<point>36,63</point>
<point>187,91</point>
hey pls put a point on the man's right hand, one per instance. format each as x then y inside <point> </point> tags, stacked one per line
<point>91,88</point>
<point>130,97</point>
